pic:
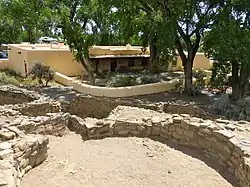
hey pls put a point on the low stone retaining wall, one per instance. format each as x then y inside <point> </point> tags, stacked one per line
<point>215,139</point>
<point>39,108</point>
<point>63,79</point>
<point>52,124</point>
<point>18,157</point>
<point>13,95</point>
<point>100,107</point>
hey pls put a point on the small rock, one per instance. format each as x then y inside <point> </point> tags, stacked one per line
<point>3,182</point>
<point>5,145</point>
<point>243,122</point>
<point>7,135</point>
<point>230,127</point>
<point>150,155</point>
<point>222,121</point>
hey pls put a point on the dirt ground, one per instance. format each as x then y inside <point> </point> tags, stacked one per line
<point>121,162</point>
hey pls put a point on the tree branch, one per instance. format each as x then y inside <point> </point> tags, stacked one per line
<point>180,50</point>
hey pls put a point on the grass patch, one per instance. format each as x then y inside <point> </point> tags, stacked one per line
<point>8,76</point>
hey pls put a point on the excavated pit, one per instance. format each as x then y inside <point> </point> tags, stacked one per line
<point>128,146</point>
<point>123,162</point>
<point>14,95</point>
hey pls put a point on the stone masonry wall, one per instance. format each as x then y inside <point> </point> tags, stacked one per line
<point>221,140</point>
<point>100,107</point>
<point>18,157</point>
<point>20,152</point>
<point>21,148</point>
<point>14,95</point>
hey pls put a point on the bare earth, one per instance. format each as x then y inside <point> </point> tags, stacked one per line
<point>120,162</point>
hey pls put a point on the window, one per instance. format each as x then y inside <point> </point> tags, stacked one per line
<point>19,53</point>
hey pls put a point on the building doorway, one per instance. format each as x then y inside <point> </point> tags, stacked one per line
<point>113,65</point>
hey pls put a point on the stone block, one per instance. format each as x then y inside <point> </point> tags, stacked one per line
<point>188,133</point>
<point>194,126</point>
<point>7,135</point>
<point>177,120</point>
<point>185,124</point>
<point>164,136</point>
<point>123,132</point>
<point>172,128</point>
<point>179,130</point>
<point>7,153</point>
<point>5,145</point>
<point>224,135</point>
<point>176,135</point>
<point>156,130</point>
<point>204,132</point>
<point>141,128</point>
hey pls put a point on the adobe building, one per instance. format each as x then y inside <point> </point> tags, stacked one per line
<point>104,58</point>
<point>57,56</point>
<point>119,58</point>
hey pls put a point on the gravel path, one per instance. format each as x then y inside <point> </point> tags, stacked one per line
<point>120,162</point>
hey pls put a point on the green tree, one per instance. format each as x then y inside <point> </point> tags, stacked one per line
<point>142,23</point>
<point>10,30</point>
<point>34,16</point>
<point>179,23</point>
<point>229,41</point>
<point>79,30</point>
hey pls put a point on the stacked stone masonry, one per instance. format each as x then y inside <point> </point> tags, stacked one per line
<point>23,141</point>
<point>22,126</point>
<point>100,107</point>
<point>221,140</point>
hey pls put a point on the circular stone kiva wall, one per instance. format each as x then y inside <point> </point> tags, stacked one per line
<point>229,149</point>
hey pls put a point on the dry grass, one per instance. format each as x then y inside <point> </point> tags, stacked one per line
<point>8,76</point>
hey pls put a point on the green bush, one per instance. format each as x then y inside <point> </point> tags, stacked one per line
<point>219,79</point>
<point>122,81</point>
<point>147,79</point>
<point>42,72</point>
<point>10,72</point>
<point>5,78</point>
<point>200,81</point>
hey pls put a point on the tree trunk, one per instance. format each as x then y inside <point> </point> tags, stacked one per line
<point>87,65</point>
<point>240,82</point>
<point>188,65</point>
<point>235,81</point>
<point>153,60</point>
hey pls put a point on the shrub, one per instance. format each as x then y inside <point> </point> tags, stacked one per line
<point>147,79</point>
<point>200,76</point>
<point>10,72</point>
<point>7,79</point>
<point>122,81</point>
<point>219,79</point>
<point>42,72</point>
<point>179,87</point>
<point>238,111</point>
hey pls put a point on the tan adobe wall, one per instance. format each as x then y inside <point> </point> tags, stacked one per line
<point>63,79</point>
<point>200,62</point>
<point>17,57</point>
<point>61,61</point>
<point>116,92</point>
<point>124,91</point>
<point>4,64</point>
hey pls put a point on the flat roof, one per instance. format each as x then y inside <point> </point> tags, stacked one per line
<point>119,56</point>
<point>119,47</point>
<point>40,47</point>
